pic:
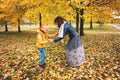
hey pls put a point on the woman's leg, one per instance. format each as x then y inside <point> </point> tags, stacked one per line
<point>75,52</point>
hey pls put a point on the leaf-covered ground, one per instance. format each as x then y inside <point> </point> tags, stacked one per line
<point>19,58</point>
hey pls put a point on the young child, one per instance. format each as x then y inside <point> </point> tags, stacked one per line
<point>42,41</point>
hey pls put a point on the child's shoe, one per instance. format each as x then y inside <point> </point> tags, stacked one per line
<point>42,66</point>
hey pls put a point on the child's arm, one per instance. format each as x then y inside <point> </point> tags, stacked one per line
<point>39,37</point>
<point>52,35</point>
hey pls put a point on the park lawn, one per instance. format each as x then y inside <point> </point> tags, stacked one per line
<point>51,28</point>
<point>19,57</point>
<point>97,27</point>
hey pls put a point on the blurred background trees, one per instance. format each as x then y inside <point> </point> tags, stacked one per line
<point>16,12</point>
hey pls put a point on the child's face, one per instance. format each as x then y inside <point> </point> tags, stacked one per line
<point>44,28</point>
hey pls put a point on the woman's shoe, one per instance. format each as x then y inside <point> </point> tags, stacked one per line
<point>67,65</point>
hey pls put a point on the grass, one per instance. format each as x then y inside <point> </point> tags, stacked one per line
<point>97,27</point>
<point>19,57</point>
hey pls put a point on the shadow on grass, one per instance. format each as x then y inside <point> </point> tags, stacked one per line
<point>94,29</point>
<point>15,32</point>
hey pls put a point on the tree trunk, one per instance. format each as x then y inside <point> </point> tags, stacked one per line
<point>81,22</point>
<point>77,20</point>
<point>19,30</point>
<point>6,28</point>
<point>40,19</point>
<point>91,27</point>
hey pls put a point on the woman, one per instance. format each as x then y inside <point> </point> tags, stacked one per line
<point>74,50</point>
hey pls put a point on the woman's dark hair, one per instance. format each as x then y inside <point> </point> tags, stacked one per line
<point>59,20</point>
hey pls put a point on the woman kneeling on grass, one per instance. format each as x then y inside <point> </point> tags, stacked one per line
<point>74,51</point>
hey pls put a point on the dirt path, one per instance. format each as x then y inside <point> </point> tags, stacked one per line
<point>115,26</point>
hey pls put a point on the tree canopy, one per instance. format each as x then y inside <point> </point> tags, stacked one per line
<point>98,10</point>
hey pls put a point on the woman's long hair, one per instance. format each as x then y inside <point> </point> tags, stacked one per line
<point>59,20</point>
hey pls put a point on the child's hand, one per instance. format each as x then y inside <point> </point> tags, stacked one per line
<point>56,34</point>
<point>50,40</point>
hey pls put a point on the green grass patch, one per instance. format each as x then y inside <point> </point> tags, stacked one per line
<point>53,28</point>
<point>98,27</point>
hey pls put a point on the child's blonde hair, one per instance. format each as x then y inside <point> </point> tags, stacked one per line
<point>41,28</point>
